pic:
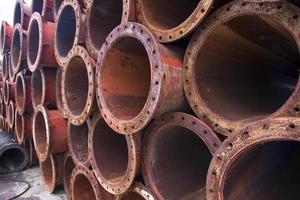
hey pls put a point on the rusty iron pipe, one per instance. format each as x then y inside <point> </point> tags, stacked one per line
<point>58,89</point>
<point>22,13</point>
<point>23,93</point>
<point>128,106</point>
<point>11,73</point>
<point>137,192</point>
<point>44,8</point>
<point>51,171</point>
<point>9,92</point>
<point>23,127</point>
<point>255,160</point>
<point>43,88</point>
<point>49,132</point>
<point>78,143</point>
<point>178,149</point>
<point>115,158</point>
<point>11,114</point>
<point>251,71</point>
<point>18,49</point>
<point>84,186</point>
<point>5,37</point>
<point>78,86</point>
<point>29,147</point>
<point>40,43</point>
<point>67,172</point>
<point>69,29</point>
<point>102,17</point>
<point>173,20</point>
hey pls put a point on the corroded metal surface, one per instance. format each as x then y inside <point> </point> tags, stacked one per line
<point>6,32</point>
<point>23,93</point>
<point>18,49</point>
<point>22,13</point>
<point>23,127</point>
<point>67,172</point>
<point>136,192</point>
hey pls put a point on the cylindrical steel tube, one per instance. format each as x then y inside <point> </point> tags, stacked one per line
<point>136,79</point>
<point>67,172</point>
<point>18,49</point>
<point>49,132</point>
<point>82,179</point>
<point>22,13</point>
<point>102,17</point>
<point>40,43</point>
<point>78,85</point>
<point>23,93</point>
<point>69,29</point>
<point>23,127</point>
<point>51,171</point>
<point>255,160</point>
<point>6,32</point>
<point>115,158</point>
<point>43,88</point>
<point>235,74</point>
<point>178,149</point>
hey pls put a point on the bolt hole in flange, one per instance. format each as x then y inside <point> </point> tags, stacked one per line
<point>275,165</point>
<point>241,75</point>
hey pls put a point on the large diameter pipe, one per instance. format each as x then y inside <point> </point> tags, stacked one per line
<point>178,151</point>
<point>69,29</point>
<point>49,132</point>
<point>78,85</point>
<point>131,53</point>
<point>84,186</point>
<point>23,93</point>
<point>22,13</point>
<point>18,49</point>
<point>235,74</point>
<point>67,172</point>
<point>9,92</point>
<point>13,157</point>
<point>23,127</point>
<point>102,17</point>
<point>115,158</point>
<point>40,43</point>
<point>29,146</point>
<point>172,20</point>
<point>255,160</point>
<point>78,143</point>
<point>51,171</point>
<point>43,88</point>
<point>5,37</point>
<point>44,8</point>
<point>137,192</point>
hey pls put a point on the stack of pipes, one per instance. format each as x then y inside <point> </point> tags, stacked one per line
<point>156,99</point>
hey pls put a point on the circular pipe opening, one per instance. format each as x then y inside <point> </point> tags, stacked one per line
<point>65,31</point>
<point>82,188</point>
<point>68,169</point>
<point>12,160</point>
<point>178,174</point>
<point>253,73</point>
<point>125,99</point>
<point>104,16</point>
<point>132,196</point>
<point>17,13</point>
<point>16,48</point>
<point>33,41</point>
<point>48,173</point>
<point>37,6</point>
<point>78,142</point>
<point>76,85</point>
<point>110,152</point>
<point>37,85</point>
<point>168,14</point>
<point>20,92</point>
<point>40,133</point>
<point>268,170</point>
<point>19,127</point>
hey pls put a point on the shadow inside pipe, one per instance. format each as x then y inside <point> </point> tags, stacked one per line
<point>179,164</point>
<point>126,78</point>
<point>247,68</point>
<point>265,171</point>
<point>20,96</point>
<point>17,14</point>
<point>83,189</point>
<point>40,133</point>
<point>11,160</point>
<point>78,138</point>
<point>34,39</point>
<point>37,6</point>
<point>16,48</point>
<point>37,87</point>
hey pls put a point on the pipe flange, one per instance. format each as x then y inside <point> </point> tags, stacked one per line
<point>58,89</point>
<point>139,32</point>
<point>277,129</point>
<point>182,29</point>
<point>61,59</point>
<point>74,118</point>
<point>283,12</point>
<point>139,189</point>
<point>133,165</point>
